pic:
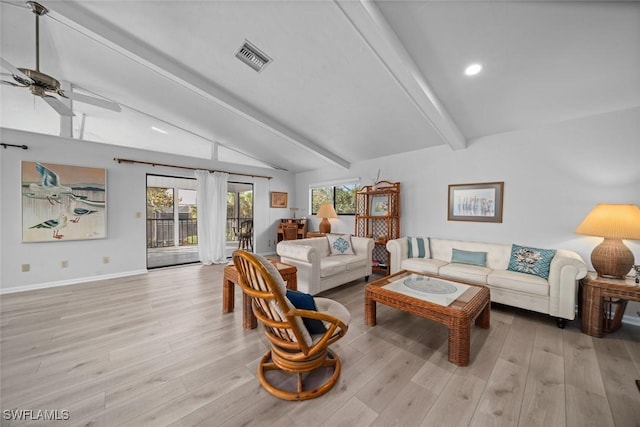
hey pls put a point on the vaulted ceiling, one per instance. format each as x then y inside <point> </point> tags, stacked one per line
<point>348,80</point>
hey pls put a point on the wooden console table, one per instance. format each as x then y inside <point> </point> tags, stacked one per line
<point>594,291</point>
<point>288,272</point>
<point>315,234</point>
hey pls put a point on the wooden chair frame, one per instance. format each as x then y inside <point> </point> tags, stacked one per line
<point>289,231</point>
<point>290,351</point>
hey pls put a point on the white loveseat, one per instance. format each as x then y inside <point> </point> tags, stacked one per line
<point>319,271</point>
<point>555,296</point>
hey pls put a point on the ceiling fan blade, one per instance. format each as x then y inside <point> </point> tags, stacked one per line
<point>5,82</point>
<point>14,71</point>
<point>93,101</point>
<point>58,106</point>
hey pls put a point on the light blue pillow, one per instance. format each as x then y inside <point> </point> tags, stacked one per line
<point>469,257</point>
<point>531,260</point>
<point>418,247</point>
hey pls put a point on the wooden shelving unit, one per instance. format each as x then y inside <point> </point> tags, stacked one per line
<point>378,217</point>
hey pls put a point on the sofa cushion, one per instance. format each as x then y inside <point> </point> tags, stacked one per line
<point>522,282</point>
<point>465,272</point>
<point>418,247</point>
<point>333,309</point>
<point>531,260</point>
<point>331,265</point>
<point>340,244</point>
<point>422,265</point>
<point>469,257</point>
<point>353,262</point>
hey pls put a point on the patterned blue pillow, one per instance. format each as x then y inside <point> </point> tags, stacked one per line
<point>531,260</point>
<point>340,244</point>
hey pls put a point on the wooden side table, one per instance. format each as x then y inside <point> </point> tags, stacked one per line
<point>594,291</point>
<point>288,272</point>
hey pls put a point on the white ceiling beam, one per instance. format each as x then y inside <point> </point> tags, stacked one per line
<point>376,32</point>
<point>75,16</point>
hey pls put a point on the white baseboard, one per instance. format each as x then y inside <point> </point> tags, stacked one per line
<point>45,285</point>
<point>631,320</point>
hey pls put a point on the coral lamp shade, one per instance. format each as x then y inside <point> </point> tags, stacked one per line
<point>326,211</point>
<point>612,258</point>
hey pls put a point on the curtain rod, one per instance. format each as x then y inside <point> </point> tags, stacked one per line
<point>5,145</point>
<point>119,160</point>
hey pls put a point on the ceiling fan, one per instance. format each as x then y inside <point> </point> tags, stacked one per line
<point>43,85</point>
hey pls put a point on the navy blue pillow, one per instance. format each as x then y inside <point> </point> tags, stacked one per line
<point>305,302</point>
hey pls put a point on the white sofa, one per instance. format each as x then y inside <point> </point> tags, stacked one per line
<point>555,296</point>
<point>319,271</point>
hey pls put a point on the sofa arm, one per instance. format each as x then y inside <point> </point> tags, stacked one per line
<point>304,253</point>
<point>306,259</point>
<point>398,251</point>
<point>567,267</point>
<point>363,245</point>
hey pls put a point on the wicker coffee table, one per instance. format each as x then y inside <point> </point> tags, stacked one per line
<point>288,272</point>
<point>472,306</point>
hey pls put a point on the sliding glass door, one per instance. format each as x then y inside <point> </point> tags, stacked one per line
<point>172,227</point>
<point>172,220</point>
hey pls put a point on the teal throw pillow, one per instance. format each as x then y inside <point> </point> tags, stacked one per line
<point>531,260</point>
<point>340,244</point>
<point>469,257</point>
<point>305,301</point>
<point>418,247</point>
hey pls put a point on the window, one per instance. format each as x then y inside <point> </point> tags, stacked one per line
<point>342,196</point>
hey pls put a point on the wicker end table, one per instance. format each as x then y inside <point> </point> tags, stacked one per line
<point>596,317</point>
<point>288,272</point>
<point>473,305</point>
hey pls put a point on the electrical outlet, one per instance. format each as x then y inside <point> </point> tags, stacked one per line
<point>105,260</point>
<point>26,267</point>
<point>64,264</point>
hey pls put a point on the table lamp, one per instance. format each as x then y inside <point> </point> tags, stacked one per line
<point>326,211</point>
<point>614,222</point>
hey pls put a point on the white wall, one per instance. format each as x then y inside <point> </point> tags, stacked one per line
<point>125,244</point>
<point>552,176</point>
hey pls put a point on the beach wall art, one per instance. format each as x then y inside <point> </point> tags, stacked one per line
<point>63,202</point>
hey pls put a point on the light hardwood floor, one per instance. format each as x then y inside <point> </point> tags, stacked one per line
<point>155,350</point>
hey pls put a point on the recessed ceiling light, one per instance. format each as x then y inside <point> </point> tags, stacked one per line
<point>473,69</point>
<point>159,130</point>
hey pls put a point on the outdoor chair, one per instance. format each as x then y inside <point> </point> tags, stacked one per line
<point>244,234</point>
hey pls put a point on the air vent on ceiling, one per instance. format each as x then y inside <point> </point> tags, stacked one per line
<point>252,56</point>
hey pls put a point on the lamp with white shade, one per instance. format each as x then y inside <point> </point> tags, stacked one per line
<point>325,212</point>
<point>614,222</point>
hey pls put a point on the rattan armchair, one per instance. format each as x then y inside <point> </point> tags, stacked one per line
<point>294,352</point>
